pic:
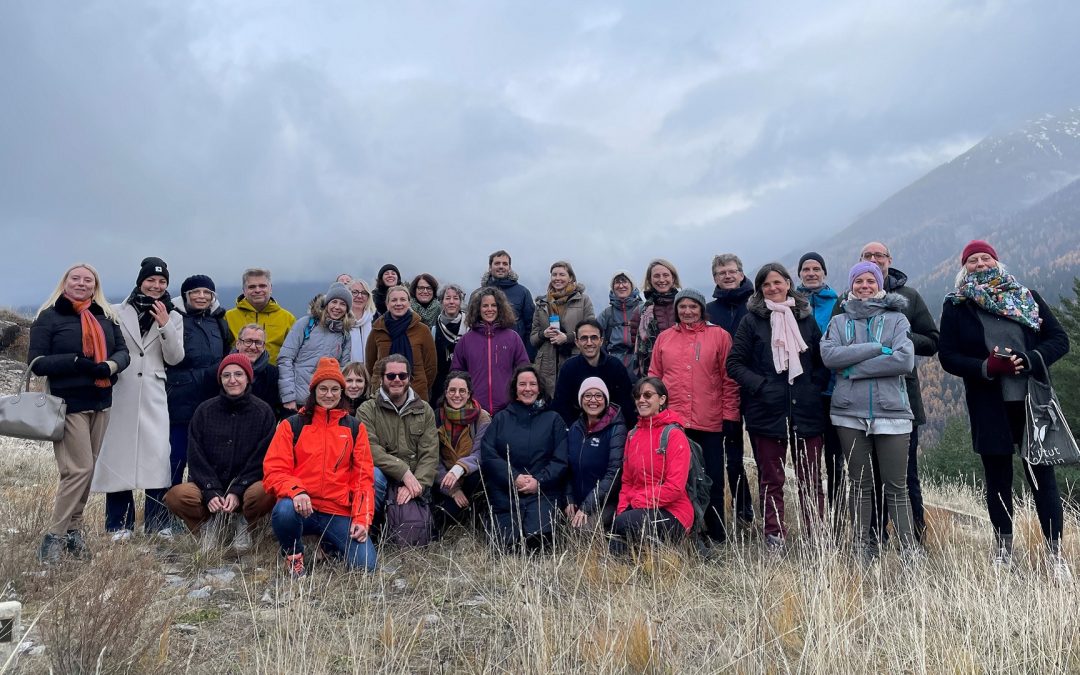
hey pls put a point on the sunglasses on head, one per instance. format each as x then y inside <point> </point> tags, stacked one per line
<point>396,376</point>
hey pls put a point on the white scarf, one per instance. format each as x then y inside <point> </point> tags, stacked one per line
<point>787,342</point>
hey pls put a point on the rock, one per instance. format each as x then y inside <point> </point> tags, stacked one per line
<point>219,577</point>
<point>8,333</point>
<point>37,651</point>
<point>475,601</point>
<point>185,628</point>
<point>199,593</point>
<point>175,581</point>
<point>431,619</point>
<point>399,584</point>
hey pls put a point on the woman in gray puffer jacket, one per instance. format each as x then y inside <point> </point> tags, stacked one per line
<point>869,347</point>
<point>619,322</point>
<point>323,332</point>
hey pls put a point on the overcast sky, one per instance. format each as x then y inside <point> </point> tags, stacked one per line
<point>315,138</point>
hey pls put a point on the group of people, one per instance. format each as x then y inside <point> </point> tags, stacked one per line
<point>396,410</point>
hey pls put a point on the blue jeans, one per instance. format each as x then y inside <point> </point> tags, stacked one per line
<point>290,527</point>
<point>380,491</point>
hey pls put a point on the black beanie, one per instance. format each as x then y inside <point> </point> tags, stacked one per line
<point>151,266</point>
<point>197,281</point>
<point>812,256</point>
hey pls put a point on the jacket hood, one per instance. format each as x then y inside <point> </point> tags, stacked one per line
<point>734,296</point>
<point>825,291</point>
<point>864,309</point>
<point>271,305</point>
<point>895,280</point>
<point>413,403</point>
<point>214,310</point>
<point>487,280</point>
<point>629,303</point>
<point>756,305</point>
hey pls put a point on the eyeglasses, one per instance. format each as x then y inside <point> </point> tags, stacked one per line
<point>647,395</point>
<point>361,294</point>
<point>875,256</point>
<point>592,397</point>
<point>250,343</point>
<point>396,376</point>
<point>423,288</point>
<point>588,338</point>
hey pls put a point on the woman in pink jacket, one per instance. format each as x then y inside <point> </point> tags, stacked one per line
<point>653,503</point>
<point>690,359</point>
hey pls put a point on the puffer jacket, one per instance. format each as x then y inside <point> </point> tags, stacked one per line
<point>489,355</point>
<point>870,384</point>
<point>520,299</point>
<point>770,403</point>
<point>425,365</point>
<point>324,463</point>
<point>596,457</point>
<point>206,341</point>
<point>523,439</point>
<point>402,441</point>
<point>655,480</point>
<point>729,306</point>
<point>619,325</point>
<point>275,319</point>
<point>550,358</point>
<point>300,355</point>
<point>692,362</point>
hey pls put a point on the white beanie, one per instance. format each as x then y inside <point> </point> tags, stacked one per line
<point>593,383</point>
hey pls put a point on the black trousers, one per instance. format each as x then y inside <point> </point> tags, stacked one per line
<point>636,526</point>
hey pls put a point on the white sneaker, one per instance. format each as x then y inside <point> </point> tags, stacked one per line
<point>208,534</point>
<point>165,533</point>
<point>121,535</point>
<point>241,537</point>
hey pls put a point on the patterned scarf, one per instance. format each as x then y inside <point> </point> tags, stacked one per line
<point>429,313</point>
<point>455,434</point>
<point>399,334</point>
<point>557,300</point>
<point>93,338</point>
<point>999,293</point>
<point>450,328</point>
<point>787,342</point>
<point>142,304</point>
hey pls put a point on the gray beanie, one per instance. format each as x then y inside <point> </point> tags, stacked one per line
<point>692,294</point>
<point>338,291</point>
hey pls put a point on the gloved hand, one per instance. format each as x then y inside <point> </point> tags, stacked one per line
<point>731,428</point>
<point>84,365</point>
<point>102,370</point>
<point>997,367</point>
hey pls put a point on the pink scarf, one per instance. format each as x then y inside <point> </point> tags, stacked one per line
<point>787,342</point>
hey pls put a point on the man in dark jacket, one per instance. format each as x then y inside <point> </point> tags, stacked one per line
<point>592,362</point>
<point>924,335</point>
<point>501,276</point>
<point>228,438</point>
<point>251,342</point>
<point>727,309</point>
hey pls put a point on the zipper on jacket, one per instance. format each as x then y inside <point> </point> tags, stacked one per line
<point>491,398</point>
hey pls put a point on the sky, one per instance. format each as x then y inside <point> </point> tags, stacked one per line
<point>323,137</point>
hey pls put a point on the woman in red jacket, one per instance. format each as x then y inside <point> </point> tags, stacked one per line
<point>322,476</point>
<point>653,501</point>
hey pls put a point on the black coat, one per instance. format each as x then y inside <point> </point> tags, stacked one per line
<point>444,355</point>
<point>963,351</point>
<point>207,340</point>
<point>57,336</point>
<point>729,306</point>
<point>265,386</point>
<point>227,440</point>
<point>609,369</point>
<point>523,439</point>
<point>768,401</point>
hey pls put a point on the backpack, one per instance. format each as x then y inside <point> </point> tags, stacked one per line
<point>348,421</point>
<point>698,482</point>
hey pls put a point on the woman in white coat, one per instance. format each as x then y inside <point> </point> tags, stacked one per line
<point>135,452</point>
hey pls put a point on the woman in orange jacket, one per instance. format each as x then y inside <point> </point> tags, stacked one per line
<point>319,467</point>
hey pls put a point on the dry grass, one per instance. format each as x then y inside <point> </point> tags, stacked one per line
<point>459,606</point>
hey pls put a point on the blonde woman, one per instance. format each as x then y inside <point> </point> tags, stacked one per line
<point>557,314</point>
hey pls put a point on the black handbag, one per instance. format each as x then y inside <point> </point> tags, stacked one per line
<point>1047,437</point>
<point>37,416</point>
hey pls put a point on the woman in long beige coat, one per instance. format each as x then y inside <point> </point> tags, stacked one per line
<point>135,452</point>
<point>558,313</point>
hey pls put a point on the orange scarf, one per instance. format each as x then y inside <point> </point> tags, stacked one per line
<point>93,338</point>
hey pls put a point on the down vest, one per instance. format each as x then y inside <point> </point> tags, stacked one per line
<point>691,360</point>
<point>770,404</point>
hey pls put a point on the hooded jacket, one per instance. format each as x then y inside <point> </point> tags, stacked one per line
<point>300,355</point>
<point>655,480</point>
<point>549,357</point>
<point>619,325</point>
<point>692,362</point>
<point>56,336</point>
<point>595,459</point>
<point>729,306</point>
<point>275,320</point>
<point>324,463</point>
<point>489,355</point>
<point>520,299</point>
<point>869,383</point>
<point>425,362</point>
<point>402,441</point>
<point>227,441</point>
<point>770,404</point>
<point>523,439</point>
<point>207,340</point>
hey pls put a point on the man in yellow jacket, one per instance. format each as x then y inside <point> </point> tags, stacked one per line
<point>257,305</point>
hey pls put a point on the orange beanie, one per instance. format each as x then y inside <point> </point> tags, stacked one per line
<point>328,369</point>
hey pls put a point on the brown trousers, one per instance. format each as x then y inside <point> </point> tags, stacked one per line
<point>186,501</point>
<point>76,454</point>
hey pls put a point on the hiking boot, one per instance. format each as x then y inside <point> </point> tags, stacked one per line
<point>52,547</point>
<point>76,545</point>
<point>294,565</point>
<point>209,535</point>
<point>165,533</point>
<point>241,537</point>
<point>120,536</point>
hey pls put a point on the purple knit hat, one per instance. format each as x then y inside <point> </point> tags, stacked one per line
<point>863,267</point>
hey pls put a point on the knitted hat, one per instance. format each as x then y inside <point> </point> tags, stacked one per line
<point>383,270</point>
<point>197,281</point>
<point>977,246</point>
<point>812,255</point>
<point>592,383</point>
<point>338,291</point>
<point>237,360</point>
<point>152,266</point>
<point>620,273</point>
<point>328,369</point>
<point>691,294</point>
<point>863,267</point>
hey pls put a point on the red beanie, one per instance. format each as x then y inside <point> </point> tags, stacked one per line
<point>977,246</point>
<point>237,360</point>
<point>328,369</point>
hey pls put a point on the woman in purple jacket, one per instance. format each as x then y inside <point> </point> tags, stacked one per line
<point>491,350</point>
